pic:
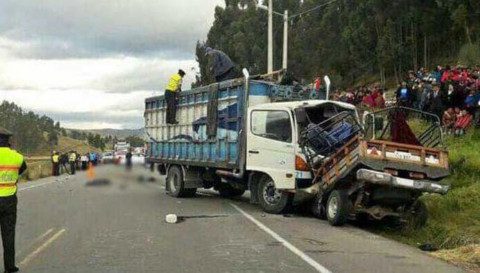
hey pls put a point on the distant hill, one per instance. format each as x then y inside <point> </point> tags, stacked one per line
<point>118,133</point>
<point>66,144</point>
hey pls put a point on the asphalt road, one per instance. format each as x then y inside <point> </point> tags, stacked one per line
<point>66,226</point>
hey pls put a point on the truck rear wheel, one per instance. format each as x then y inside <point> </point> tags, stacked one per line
<point>337,208</point>
<point>271,199</point>
<point>318,207</point>
<point>176,184</point>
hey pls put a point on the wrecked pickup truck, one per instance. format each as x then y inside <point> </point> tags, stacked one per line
<point>376,171</point>
<point>285,145</point>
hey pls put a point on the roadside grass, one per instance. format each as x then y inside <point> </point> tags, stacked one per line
<point>454,219</point>
<point>37,169</point>
<point>39,164</point>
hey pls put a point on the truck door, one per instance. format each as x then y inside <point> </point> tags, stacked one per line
<point>270,146</point>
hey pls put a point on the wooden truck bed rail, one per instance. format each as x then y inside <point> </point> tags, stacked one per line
<point>357,150</point>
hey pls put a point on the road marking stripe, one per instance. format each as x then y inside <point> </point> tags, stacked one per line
<point>32,255</point>
<point>35,186</point>
<point>289,246</point>
<point>39,238</point>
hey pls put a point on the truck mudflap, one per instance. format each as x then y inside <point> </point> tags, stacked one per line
<point>386,179</point>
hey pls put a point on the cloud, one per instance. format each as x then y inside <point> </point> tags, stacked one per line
<point>118,75</point>
<point>83,106</point>
<point>91,63</point>
<point>53,29</point>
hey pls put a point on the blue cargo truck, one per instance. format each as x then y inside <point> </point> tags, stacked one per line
<point>273,140</point>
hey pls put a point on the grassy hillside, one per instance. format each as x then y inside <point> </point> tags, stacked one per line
<point>454,221</point>
<point>64,144</point>
<point>39,164</point>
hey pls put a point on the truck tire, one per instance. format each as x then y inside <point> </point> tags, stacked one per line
<point>272,200</point>
<point>337,208</point>
<point>227,191</point>
<point>176,185</point>
<point>318,207</point>
<point>416,216</point>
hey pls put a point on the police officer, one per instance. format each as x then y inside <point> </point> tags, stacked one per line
<point>171,96</point>
<point>72,159</point>
<point>55,164</point>
<point>12,166</point>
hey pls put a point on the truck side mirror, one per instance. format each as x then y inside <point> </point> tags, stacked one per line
<point>301,115</point>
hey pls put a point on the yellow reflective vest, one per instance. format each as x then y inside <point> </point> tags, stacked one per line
<point>10,164</point>
<point>55,158</point>
<point>175,83</point>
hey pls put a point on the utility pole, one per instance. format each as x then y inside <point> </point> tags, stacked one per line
<point>285,40</point>
<point>286,19</point>
<point>270,36</point>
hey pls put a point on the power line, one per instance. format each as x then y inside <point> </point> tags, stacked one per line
<point>312,9</point>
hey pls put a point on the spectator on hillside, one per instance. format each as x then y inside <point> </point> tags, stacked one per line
<point>368,100</point>
<point>425,96</point>
<point>471,102</point>
<point>404,95</point>
<point>436,105</point>
<point>464,120</point>
<point>446,75</point>
<point>448,120</point>
<point>416,95</point>
<point>379,99</point>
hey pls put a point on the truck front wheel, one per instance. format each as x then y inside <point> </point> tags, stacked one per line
<point>337,208</point>
<point>416,216</point>
<point>270,198</point>
<point>176,185</point>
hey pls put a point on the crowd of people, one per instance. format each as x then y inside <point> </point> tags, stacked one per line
<point>72,161</point>
<point>453,94</point>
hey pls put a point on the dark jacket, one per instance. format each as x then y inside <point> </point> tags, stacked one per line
<point>221,63</point>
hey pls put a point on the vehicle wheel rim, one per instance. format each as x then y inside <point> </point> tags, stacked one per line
<point>173,182</point>
<point>332,207</point>
<point>270,194</point>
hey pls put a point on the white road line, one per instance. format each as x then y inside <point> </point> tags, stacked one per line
<point>39,238</point>
<point>37,251</point>
<point>285,243</point>
<point>36,186</point>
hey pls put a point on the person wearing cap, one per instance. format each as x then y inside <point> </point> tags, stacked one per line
<point>12,166</point>
<point>222,66</point>
<point>174,87</point>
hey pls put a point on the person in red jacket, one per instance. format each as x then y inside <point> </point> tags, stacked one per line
<point>464,119</point>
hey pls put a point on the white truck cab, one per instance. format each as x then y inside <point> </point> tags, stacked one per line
<point>272,141</point>
<point>272,138</point>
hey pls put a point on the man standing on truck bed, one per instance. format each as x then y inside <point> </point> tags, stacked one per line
<point>171,96</point>
<point>222,66</point>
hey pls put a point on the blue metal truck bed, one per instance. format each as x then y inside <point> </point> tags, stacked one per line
<point>210,124</point>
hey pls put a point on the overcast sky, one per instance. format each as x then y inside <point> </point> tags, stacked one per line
<point>91,63</point>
